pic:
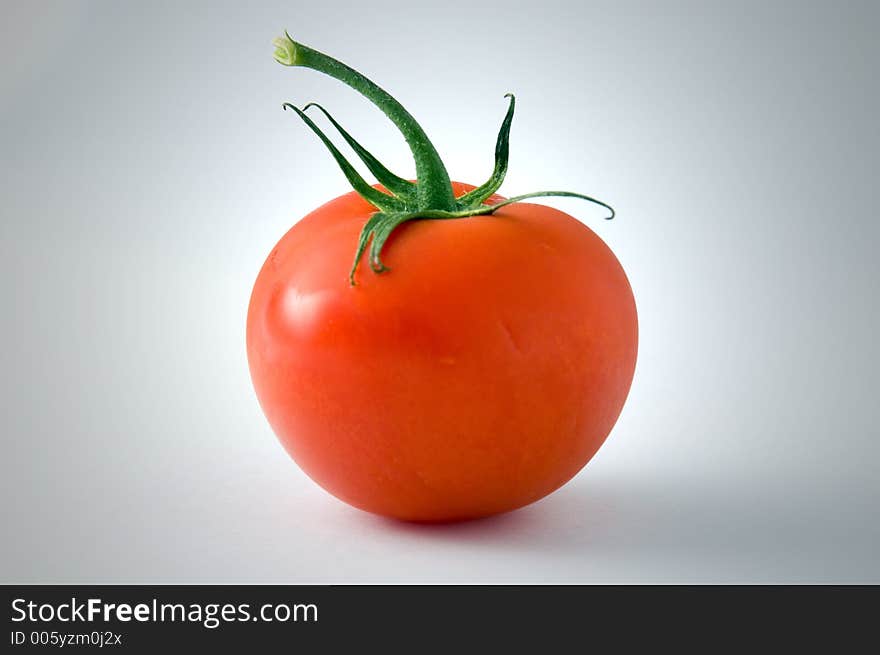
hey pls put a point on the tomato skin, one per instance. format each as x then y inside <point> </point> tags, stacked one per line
<point>477,375</point>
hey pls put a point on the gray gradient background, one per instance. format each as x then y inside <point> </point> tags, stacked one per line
<point>147,170</point>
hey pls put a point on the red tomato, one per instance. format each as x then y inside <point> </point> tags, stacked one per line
<point>477,375</point>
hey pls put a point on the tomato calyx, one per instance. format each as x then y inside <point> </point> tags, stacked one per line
<point>431,195</point>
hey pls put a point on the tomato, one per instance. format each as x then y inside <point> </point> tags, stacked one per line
<point>478,374</point>
<point>470,361</point>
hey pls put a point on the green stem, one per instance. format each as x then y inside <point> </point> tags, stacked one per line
<point>381,224</point>
<point>434,187</point>
<point>502,153</point>
<point>394,183</point>
<point>431,196</point>
<point>380,200</point>
<point>489,209</point>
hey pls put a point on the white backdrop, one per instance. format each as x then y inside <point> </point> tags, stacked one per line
<point>147,170</point>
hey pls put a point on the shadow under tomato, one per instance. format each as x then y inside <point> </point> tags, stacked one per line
<point>569,517</point>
